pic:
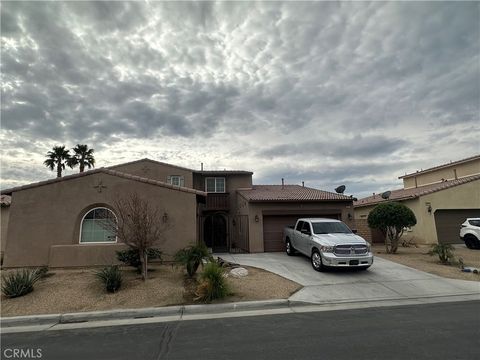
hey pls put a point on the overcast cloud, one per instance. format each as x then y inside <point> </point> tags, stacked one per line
<point>327,93</point>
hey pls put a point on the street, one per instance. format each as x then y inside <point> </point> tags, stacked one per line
<point>431,331</point>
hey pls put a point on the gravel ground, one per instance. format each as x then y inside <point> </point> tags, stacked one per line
<point>418,258</point>
<point>78,290</point>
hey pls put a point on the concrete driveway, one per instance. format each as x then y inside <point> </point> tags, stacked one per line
<point>385,280</point>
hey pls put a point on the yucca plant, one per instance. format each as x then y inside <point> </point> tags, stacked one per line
<point>20,282</point>
<point>444,252</point>
<point>111,277</point>
<point>192,257</point>
<point>213,284</point>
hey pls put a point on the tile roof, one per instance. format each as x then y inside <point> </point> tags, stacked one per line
<point>5,200</point>
<point>149,160</point>
<point>471,158</point>
<point>223,172</point>
<point>105,171</point>
<point>412,193</point>
<point>289,193</point>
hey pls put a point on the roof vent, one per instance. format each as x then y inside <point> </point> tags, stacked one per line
<point>386,195</point>
<point>283,183</point>
<point>340,189</point>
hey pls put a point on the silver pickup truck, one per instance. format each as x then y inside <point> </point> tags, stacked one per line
<point>328,243</point>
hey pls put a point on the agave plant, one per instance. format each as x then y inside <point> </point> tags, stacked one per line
<point>20,282</point>
<point>111,277</point>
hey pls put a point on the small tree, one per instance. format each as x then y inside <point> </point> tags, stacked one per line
<point>140,225</point>
<point>391,218</point>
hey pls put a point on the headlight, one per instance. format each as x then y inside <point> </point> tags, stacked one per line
<point>369,247</point>
<point>327,249</point>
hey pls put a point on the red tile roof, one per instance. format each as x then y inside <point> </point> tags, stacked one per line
<point>292,193</point>
<point>105,171</point>
<point>412,193</point>
<point>471,158</point>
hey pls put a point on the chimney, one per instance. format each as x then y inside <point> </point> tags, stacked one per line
<point>201,166</point>
<point>303,183</point>
<point>283,183</point>
<point>374,195</point>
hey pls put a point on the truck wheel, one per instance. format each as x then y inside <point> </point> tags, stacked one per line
<point>472,242</point>
<point>290,250</point>
<point>316,260</point>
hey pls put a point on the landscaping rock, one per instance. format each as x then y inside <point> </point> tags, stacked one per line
<point>239,272</point>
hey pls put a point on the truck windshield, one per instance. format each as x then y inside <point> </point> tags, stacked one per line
<point>330,228</point>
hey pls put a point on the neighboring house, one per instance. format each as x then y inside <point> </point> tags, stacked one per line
<point>441,197</point>
<point>55,222</point>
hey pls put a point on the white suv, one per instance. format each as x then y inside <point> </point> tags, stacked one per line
<point>470,233</point>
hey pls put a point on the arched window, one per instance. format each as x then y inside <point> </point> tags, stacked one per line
<point>97,226</point>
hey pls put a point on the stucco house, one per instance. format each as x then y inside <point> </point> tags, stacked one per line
<point>441,197</point>
<point>55,222</point>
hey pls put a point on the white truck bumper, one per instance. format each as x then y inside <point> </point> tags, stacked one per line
<point>329,259</point>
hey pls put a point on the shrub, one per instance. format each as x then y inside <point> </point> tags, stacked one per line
<point>444,252</point>
<point>213,284</point>
<point>20,282</point>
<point>391,218</point>
<point>111,277</point>
<point>191,257</point>
<point>131,257</point>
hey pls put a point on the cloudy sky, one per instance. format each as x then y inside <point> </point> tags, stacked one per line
<point>328,93</point>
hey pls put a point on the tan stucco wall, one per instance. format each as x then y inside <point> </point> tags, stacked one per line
<point>155,171</point>
<point>466,196</point>
<point>4,215</point>
<point>44,224</point>
<point>260,209</point>
<point>448,173</point>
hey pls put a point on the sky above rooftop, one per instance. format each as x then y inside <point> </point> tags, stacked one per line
<point>328,93</point>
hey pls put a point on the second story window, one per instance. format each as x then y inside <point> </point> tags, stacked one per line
<point>215,184</point>
<point>176,180</point>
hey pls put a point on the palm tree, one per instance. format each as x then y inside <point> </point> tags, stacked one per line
<point>57,159</point>
<point>83,156</point>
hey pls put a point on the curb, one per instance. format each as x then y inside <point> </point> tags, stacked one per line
<point>69,318</point>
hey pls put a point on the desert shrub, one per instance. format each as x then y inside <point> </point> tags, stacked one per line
<point>191,257</point>
<point>131,257</point>
<point>444,252</point>
<point>111,277</point>
<point>213,284</point>
<point>20,282</point>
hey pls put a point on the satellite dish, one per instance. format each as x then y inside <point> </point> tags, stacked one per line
<point>340,189</point>
<point>386,194</point>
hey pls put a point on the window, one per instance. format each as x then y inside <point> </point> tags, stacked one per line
<point>299,226</point>
<point>176,180</point>
<point>330,228</point>
<point>96,226</point>
<point>215,185</point>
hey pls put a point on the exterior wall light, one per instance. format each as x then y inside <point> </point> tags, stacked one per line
<point>429,207</point>
<point>257,219</point>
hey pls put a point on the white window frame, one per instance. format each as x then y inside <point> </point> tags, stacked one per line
<point>180,178</point>
<point>95,242</point>
<point>216,178</point>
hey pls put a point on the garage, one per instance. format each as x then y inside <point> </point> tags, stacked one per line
<point>273,229</point>
<point>448,222</point>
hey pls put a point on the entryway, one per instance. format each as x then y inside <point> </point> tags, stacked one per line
<point>215,232</point>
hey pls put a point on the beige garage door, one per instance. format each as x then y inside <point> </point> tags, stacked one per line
<point>273,229</point>
<point>447,223</point>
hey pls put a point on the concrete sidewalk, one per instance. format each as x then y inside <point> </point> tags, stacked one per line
<point>385,280</point>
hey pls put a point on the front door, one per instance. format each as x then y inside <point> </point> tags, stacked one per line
<point>215,232</point>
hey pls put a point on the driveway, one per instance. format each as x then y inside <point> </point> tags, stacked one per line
<point>385,280</point>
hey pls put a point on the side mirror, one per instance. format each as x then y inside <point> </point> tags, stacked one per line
<point>306,232</point>
<point>354,231</point>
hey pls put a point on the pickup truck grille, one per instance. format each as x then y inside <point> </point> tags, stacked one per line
<point>349,250</point>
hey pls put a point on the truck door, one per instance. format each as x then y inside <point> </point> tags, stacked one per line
<point>304,237</point>
<point>296,235</point>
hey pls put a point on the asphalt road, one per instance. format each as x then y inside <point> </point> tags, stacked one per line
<point>433,331</point>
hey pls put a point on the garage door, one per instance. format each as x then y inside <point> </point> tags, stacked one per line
<point>273,229</point>
<point>447,223</point>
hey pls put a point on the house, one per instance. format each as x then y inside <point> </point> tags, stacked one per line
<point>441,197</point>
<point>56,222</point>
